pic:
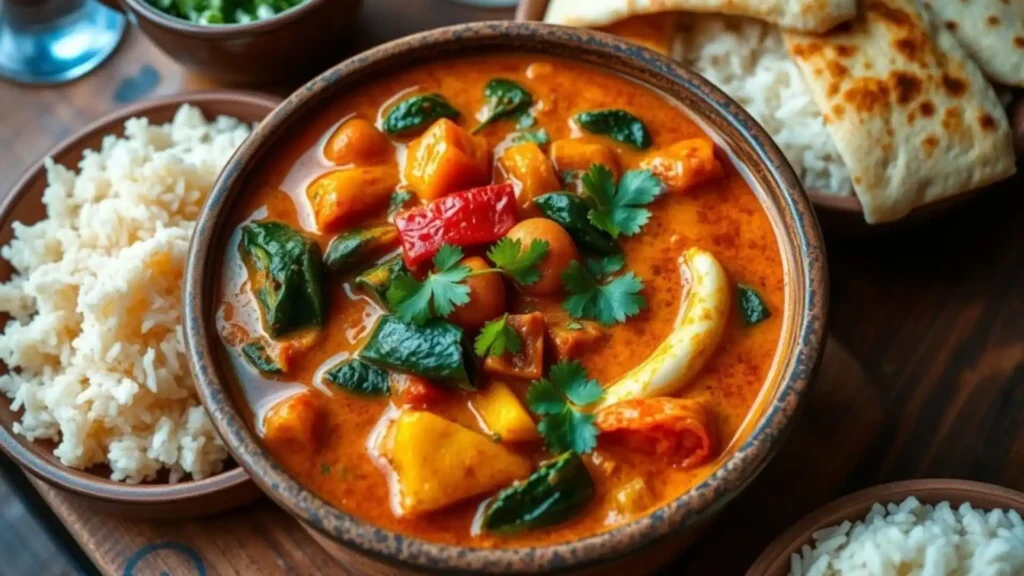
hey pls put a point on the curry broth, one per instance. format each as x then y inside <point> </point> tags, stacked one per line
<point>724,217</point>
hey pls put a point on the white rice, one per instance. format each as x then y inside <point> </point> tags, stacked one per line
<point>914,539</point>
<point>748,60</point>
<point>95,341</point>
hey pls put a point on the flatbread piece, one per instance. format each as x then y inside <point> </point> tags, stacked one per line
<point>992,31</point>
<point>800,15</point>
<point>913,117</point>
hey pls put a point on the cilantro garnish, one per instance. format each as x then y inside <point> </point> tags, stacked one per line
<point>607,302</point>
<point>539,136</point>
<point>325,469</point>
<point>399,198</point>
<point>437,295</point>
<point>620,209</point>
<point>496,338</point>
<point>556,400</point>
<point>508,255</point>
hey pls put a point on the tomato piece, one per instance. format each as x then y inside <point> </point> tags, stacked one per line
<point>420,393</point>
<point>678,429</point>
<point>467,218</point>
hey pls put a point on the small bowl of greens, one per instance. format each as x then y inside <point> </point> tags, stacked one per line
<point>247,41</point>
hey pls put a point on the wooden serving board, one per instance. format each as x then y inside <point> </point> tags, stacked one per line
<point>841,419</point>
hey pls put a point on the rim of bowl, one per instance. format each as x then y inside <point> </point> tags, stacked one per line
<point>30,457</point>
<point>794,374</point>
<point>220,31</point>
<point>776,555</point>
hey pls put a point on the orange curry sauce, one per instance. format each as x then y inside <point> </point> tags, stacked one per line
<point>723,217</point>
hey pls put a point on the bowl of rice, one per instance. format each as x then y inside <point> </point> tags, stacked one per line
<point>96,397</point>
<point>912,528</point>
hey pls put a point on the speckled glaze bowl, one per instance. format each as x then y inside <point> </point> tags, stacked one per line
<point>642,545</point>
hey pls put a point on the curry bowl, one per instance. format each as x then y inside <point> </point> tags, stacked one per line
<point>281,217</point>
<point>301,40</point>
<point>93,487</point>
<point>776,559</point>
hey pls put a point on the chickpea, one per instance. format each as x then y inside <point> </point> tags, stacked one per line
<point>486,297</point>
<point>357,142</point>
<point>561,251</point>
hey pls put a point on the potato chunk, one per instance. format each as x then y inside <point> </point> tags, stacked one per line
<point>357,142</point>
<point>504,414</point>
<point>436,463</point>
<point>579,154</point>
<point>446,159</point>
<point>345,197</point>
<point>293,423</point>
<point>685,164</point>
<point>527,166</point>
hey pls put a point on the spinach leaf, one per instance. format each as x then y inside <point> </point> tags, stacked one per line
<point>556,492</point>
<point>359,377</point>
<point>618,125</point>
<point>379,278</point>
<point>752,306</point>
<point>570,212</point>
<point>504,98</point>
<point>286,273</point>
<point>349,250</point>
<point>256,354</point>
<point>432,350</point>
<point>417,113</point>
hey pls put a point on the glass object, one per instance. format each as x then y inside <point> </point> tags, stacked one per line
<point>53,41</point>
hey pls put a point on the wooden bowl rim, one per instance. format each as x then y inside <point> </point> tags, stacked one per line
<point>795,227</point>
<point>221,31</point>
<point>774,561</point>
<point>27,453</point>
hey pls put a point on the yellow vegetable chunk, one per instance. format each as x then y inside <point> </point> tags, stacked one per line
<point>357,142</point>
<point>345,197</point>
<point>530,170</point>
<point>293,423</point>
<point>579,154</point>
<point>685,164</point>
<point>436,463</point>
<point>446,159</point>
<point>504,414</point>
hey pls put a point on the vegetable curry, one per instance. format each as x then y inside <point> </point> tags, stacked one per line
<point>482,296</point>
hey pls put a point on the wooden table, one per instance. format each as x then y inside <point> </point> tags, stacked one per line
<point>935,315</point>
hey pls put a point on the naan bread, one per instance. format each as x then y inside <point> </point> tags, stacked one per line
<point>801,15</point>
<point>911,114</point>
<point>992,31</point>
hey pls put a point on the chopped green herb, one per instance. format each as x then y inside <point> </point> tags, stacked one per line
<point>556,398</point>
<point>496,338</point>
<point>504,98</point>
<point>608,302</point>
<point>325,469</point>
<point>496,437</point>
<point>620,209</point>
<point>539,137</point>
<point>209,12</point>
<point>570,212</point>
<point>521,265</point>
<point>618,125</point>
<point>751,305</point>
<point>573,325</point>
<point>398,201</point>
<point>526,120</point>
<point>437,295</point>
<point>416,113</point>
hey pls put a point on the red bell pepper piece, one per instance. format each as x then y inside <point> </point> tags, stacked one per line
<point>471,217</point>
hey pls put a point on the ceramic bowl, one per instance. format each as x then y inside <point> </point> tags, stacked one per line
<point>93,487</point>
<point>844,214</point>
<point>644,543</point>
<point>775,559</point>
<point>290,45</point>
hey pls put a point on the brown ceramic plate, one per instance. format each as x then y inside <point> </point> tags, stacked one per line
<point>839,213</point>
<point>775,559</point>
<point>292,45</point>
<point>23,204</point>
<point>641,545</point>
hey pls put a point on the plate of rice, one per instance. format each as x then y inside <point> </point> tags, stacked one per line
<point>96,397</point>
<point>911,528</point>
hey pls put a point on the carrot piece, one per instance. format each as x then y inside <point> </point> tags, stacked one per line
<point>345,197</point>
<point>679,429</point>
<point>293,423</point>
<point>357,142</point>
<point>579,154</point>
<point>529,361</point>
<point>527,166</point>
<point>685,164</point>
<point>446,159</point>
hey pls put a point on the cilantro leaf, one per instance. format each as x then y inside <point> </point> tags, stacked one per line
<point>508,255</point>
<point>399,198</point>
<point>526,120</point>
<point>556,398</point>
<point>437,295</point>
<point>620,210</point>
<point>496,338</point>
<point>609,302</point>
<point>539,137</point>
<point>601,268</point>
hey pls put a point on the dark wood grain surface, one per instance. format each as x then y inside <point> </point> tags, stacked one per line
<point>934,315</point>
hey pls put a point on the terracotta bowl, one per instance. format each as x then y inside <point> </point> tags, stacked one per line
<point>775,559</point>
<point>844,214</point>
<point>291,45</point>
<point>644,543</point>
<point>93,487</point>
